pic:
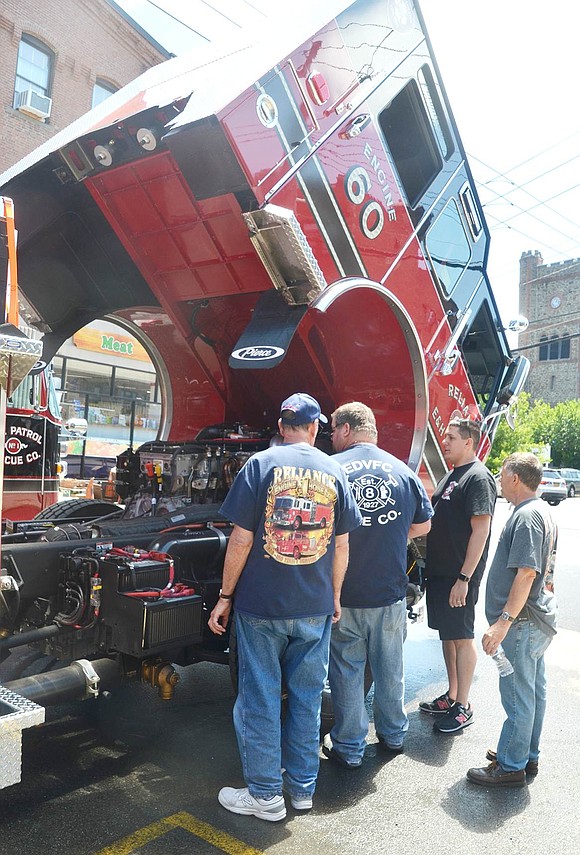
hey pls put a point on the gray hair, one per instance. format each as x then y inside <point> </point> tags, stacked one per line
<point>527,467</point>
<point>360,418</point>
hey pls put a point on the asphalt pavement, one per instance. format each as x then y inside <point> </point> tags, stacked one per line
<point>137,775</point>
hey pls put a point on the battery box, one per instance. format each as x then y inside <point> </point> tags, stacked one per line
<point>143,626</point>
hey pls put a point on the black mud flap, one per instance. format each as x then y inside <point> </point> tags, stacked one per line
<point>265,341</point>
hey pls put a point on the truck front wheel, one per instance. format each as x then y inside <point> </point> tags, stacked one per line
<point>78,509</point>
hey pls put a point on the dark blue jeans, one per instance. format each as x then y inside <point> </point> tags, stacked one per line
<point>272,652</point>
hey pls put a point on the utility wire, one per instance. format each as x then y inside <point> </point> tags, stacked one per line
<point>524,234</point>
<point>177,20</point>
<point>526,210</point>
<point>539,344</point>
<point>539,154</point>
<point>553,273</point>
<point>504,196</point>
<point>550,199</point>
<point>205,3</point>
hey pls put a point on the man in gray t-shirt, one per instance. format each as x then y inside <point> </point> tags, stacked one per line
<point>521,609</point>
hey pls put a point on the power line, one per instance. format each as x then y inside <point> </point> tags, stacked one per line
<point>205,3</point>
<point>524,234</point>
<point>555,196</point>
<point>540,343</point>
<point>539,154</point>
<point>177,20</point>
<point>567,269</point>
<point>522,186</point>
<point>526,210</point>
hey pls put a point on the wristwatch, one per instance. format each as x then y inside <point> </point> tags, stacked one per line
<point>507,616</point>
<point>226,596</point>
<point>463,577</point>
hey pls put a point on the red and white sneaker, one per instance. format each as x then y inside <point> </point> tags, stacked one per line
<point>439,706</point>
<point>455,719</point>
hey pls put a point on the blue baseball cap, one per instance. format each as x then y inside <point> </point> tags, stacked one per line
<point>301,409</point>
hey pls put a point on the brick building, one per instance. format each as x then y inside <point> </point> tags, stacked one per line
<point>57,60</point>
<point>550,299</point>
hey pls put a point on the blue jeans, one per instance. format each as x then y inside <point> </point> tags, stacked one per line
<point>523,695</point>
<point>271,652</point>
<point>377,634</point>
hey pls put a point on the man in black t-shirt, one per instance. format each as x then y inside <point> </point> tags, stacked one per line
<point>457,548</point>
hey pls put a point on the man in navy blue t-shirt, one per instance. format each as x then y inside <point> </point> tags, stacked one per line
<point>292,511</point>
<point>394,507</point>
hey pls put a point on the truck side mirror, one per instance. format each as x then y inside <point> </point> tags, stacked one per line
<point>515,379</point>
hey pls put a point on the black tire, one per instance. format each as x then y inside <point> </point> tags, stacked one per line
<point>572,491</point>
<point>78,509</point>
<point>297,524</point>
<point>554,502</point>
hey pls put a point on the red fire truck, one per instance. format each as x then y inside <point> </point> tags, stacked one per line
<point>292,213</point>
<point>296,544</point>
<point>294,512</point>
<point>31,448</point>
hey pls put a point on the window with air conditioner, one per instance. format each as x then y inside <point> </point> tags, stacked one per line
<point>33,78</point>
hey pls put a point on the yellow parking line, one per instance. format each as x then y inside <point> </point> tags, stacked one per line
<point>206,832</point>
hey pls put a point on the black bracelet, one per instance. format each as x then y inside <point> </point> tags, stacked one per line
<point>226,596</point>
<point>463,577</point>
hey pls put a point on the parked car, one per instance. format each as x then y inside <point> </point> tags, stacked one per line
<point>552,487</point>
<point>572,479</point>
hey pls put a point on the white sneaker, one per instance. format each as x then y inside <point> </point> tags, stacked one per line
<point>303,803</point>
<point>241,801</point>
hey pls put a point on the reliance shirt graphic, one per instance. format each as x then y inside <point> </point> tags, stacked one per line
<point>295,499</point>
<point>299,515</point>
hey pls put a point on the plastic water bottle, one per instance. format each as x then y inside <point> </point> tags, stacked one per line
<point>504,666</point>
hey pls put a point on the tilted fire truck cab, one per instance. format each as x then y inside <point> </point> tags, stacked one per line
<point>294,213</point>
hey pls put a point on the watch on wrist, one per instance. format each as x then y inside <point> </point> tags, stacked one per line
<point>463,577</point>
<point>226,596</point>
<point>507,616</point>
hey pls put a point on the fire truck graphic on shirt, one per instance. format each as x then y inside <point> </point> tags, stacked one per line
<point>299,515</point>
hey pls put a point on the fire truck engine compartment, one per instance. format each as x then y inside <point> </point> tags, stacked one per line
<point>292,214</point>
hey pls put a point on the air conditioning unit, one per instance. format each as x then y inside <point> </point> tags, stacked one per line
<point>34,104</point>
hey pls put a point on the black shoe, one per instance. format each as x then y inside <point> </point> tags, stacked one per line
<point>532,767</point>
<point>393,750</point>
<point>329,751</point>
<point>455,719</point>
<point>439,706</point>
<point>494,776</point>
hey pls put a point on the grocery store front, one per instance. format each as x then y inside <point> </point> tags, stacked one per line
<point>105,376</point>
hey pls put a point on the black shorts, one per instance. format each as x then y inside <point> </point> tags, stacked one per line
<point>452,623</point>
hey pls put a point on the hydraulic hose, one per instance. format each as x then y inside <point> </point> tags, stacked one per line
<point>22,638</point>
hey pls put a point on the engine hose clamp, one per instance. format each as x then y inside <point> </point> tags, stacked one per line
<point>92,678</point>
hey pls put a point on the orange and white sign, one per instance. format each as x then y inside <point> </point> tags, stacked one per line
<point>115,344</point>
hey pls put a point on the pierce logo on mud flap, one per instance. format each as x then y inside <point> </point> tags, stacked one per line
<point>257,352</point>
